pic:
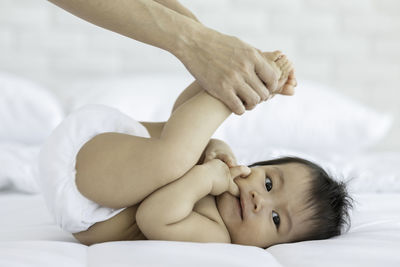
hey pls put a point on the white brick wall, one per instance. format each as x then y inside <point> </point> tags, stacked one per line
<point>353,45</point>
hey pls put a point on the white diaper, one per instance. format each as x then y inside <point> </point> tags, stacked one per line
<point>72,211</point>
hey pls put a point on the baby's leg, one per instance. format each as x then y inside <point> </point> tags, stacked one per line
<point>119,170</point>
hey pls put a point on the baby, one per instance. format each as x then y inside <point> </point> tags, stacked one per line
<point>119,183</point>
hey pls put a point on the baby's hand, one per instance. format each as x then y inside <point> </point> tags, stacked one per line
<point>218,149</point>
<point>287,81</point>
<point>223,177</point>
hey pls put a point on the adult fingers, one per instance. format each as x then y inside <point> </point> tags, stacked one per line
<point>234,103</point>
<point>267,74</point>
<point>247,95</point>
<point>258,86</point>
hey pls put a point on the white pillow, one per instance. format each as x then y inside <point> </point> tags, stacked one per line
<point>28,112</point>
<point>315,118</point>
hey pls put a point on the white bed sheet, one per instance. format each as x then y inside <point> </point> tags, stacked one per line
<point>28,237</point>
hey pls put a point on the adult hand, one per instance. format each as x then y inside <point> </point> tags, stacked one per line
<point>231,70</point>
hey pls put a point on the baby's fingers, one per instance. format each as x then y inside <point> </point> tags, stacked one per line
<point>228,159</point>
<point>233,188</point>
<point>240,171</point>
<point>209,157</point>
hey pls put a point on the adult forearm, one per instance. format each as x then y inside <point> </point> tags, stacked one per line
<point>143,20</point>
<point>177,7</point>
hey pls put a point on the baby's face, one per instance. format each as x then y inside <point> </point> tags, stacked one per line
<point>273,208</point>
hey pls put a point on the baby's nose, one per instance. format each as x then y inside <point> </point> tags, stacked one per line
<point>257,201</point>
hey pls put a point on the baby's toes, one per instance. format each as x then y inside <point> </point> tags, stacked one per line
<point>286,78</point>
<point>287,90</point>
<point>285,68</point>
<point>291,83</point>
<point>281,60</point>
<point>276,55</point>
<point>272,56</point>
<point>292,78</point>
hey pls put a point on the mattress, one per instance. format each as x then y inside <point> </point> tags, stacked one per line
<point>29,237</point>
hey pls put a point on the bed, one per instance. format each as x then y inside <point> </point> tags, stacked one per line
<point>29,237</point>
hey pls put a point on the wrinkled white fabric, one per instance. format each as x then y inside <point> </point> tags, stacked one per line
<point>19,167</point>
<point>28,112</point>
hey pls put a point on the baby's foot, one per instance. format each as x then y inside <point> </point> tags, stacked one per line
<point>291,83</point>
<point>287,80</point>
<point>286,68</point>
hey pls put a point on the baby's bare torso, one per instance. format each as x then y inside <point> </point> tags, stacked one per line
<point>123,225</point>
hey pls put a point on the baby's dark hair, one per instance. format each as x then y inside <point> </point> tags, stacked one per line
<point>327,198</point>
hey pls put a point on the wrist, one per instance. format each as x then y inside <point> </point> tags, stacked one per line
<point>215,169</point>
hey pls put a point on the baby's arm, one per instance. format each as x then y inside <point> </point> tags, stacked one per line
<point>192,124</point>
<point>167,214</point>
<point>155,128</point>
<point>193,121</point>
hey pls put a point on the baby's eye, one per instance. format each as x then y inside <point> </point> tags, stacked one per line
<point>276,218</point>
<point>268,184</point>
